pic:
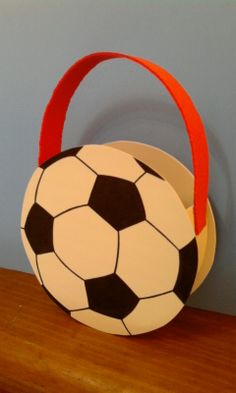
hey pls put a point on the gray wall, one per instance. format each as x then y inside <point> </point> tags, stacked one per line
<point>195,41</point>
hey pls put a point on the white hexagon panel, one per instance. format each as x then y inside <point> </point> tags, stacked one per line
<point>85,242</point>
<point>148,262</point>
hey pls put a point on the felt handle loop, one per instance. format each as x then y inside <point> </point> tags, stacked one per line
<point>55,114</point>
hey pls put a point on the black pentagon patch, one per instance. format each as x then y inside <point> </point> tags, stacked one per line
<point>109,295</point>
<point>39,229</point>
<point>117,201</point>
<point>147,169</point>
<point>55,300</point>
<point>66,153</point>
<point>188,261</point>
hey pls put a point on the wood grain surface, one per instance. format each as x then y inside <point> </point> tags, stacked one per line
<point>43,350</point>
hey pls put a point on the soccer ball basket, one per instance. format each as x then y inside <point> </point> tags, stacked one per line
<point>121,234</point>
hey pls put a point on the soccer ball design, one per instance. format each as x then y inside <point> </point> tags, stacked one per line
<point>109,240</point>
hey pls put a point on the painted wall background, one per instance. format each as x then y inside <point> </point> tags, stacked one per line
<point>194,40</point>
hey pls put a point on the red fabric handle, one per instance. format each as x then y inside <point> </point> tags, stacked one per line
<point>55,114</point>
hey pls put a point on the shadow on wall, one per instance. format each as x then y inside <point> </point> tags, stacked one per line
<point>135,120</point>
<point>218,291</point>
<point>225,219</point>
<point>127,121</point>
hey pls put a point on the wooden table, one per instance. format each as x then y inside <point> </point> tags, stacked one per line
<point>43,350</point>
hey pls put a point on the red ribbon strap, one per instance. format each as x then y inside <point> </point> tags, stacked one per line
<point>55,114</point>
